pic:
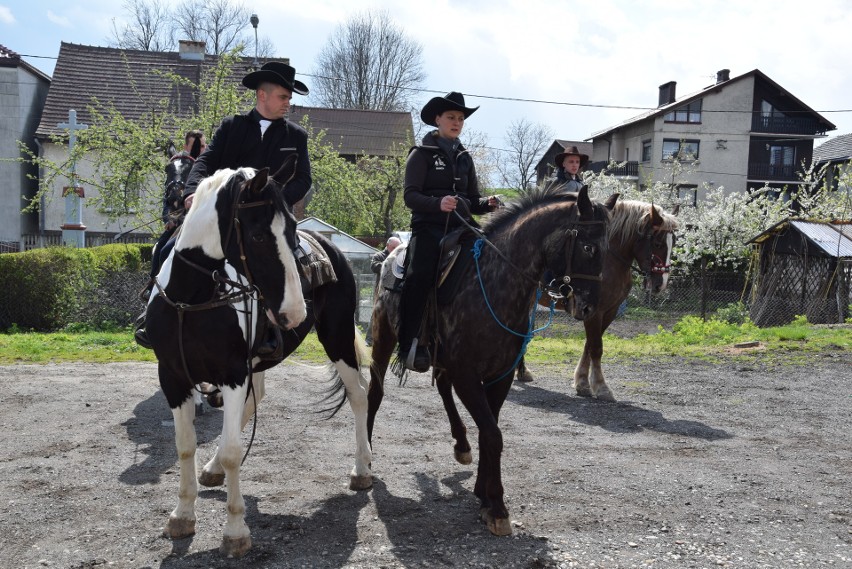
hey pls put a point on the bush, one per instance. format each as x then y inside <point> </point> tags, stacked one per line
<point>733,313</point>
<point>48,289</point>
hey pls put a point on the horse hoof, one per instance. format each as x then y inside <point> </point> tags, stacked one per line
<point>211,479</point>
<point>363,482</point>
<point>526,377</point>
<point>499,526</point>
<point>463,457</point>
<point>605,395</point>
<point>179,528</point>
<point>584,391</point>
<point>235,546</point>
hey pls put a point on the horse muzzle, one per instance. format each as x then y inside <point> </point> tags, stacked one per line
<point>285,321</point>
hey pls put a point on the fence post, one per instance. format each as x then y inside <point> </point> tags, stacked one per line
<point>704,288</point>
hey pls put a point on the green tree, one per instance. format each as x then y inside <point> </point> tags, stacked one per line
<point>338,195</point>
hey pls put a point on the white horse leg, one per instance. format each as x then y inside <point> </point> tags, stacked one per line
<point>236,539</point>
<point>356,391</point>
<point>213,474</point>
<point>581,376</point>
<point>598,384</point>
<point>182,520</point>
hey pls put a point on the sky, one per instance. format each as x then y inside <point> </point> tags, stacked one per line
<point>576,67</point>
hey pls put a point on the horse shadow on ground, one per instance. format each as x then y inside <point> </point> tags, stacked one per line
<point>423,531</point>
<point>616,417</point>
<point>329,533</point>
<point>151,429</point>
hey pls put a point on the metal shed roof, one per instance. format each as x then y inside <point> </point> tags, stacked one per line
<point>833,239</point>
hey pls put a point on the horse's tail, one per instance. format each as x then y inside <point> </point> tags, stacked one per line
<point>362,352</point>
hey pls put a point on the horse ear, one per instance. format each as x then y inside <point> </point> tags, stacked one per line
<point>287,170</point>
<point>584,203</point>
<point>257,183</point>
<point>656,217</point>
<point>170,149</point>
<point>610,201</point>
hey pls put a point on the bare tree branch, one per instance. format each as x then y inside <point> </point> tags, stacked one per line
<point>526,142</point>
<point>147,29</point>
<point>369,63</point>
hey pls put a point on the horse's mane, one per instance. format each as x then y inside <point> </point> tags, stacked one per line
<point>629,218</point>
<point>538,196</point>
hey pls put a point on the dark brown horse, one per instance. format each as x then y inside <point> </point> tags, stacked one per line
<point>640,233</point>
<point>482,330</point>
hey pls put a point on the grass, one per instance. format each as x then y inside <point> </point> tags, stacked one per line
<point>691,337</point>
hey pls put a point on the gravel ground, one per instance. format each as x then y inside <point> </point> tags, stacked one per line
<point>724,464</point>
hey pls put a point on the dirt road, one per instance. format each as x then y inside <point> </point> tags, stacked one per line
<point>698,465</point>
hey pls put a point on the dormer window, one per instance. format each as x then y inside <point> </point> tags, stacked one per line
<point>690,113</point>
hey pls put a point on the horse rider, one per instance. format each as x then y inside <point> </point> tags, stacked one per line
<point>262,137</point>
<point>194,144</point>
<point>440,179</point>
<point>258,139</point>
<point>568,167</point>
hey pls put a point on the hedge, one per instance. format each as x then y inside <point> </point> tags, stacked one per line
<point>48,289</point>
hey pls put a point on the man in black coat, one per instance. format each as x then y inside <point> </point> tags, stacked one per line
<point>258,139</point>
<point>262,137</point>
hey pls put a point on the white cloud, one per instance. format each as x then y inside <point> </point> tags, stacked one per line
<point>6,16</point>
<point>58,20</point>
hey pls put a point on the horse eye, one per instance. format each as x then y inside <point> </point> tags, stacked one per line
<point>257,237</point>
<point>590,250</point>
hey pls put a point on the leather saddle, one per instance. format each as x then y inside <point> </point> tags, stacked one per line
<point>456,251</point>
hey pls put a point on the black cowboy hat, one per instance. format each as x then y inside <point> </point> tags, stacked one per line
<point>571,151</point>
<point>452,101</point>
<point>278,73</point>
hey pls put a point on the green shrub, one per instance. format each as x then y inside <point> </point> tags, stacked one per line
<point>733,313</point>
<point>47,289</point>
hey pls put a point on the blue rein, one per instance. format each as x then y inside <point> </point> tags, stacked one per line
<point>528,336</point>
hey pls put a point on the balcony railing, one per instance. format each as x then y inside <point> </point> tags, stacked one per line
<point>787,125</point>
<point>627,169</point>
<point>765,171</point>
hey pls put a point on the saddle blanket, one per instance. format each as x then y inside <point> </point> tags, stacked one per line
<point>314,262</point>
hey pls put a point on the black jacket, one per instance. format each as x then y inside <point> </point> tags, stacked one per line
<point>430,174</point>
<point>237,143</point>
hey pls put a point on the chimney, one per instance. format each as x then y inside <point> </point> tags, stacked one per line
<point>723,75</point>
<point>191,50</point>
<point>667,93</point>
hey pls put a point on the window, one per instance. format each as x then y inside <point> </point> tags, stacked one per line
<point>688,194</point>
<point>690,113</point>
<point>768,111</point>
<point>646,151</point>
<point>680,149</point>
<point>782,160</point>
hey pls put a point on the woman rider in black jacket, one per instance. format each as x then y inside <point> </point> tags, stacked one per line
<point>439,178</point>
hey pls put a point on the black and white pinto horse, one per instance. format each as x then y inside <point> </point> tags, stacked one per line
<point>484,328</point>
<point>640,233</point>
<point>231,267</point>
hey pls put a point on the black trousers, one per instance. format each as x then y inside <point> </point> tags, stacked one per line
<point>162,250</point>
<point>421,268</point>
